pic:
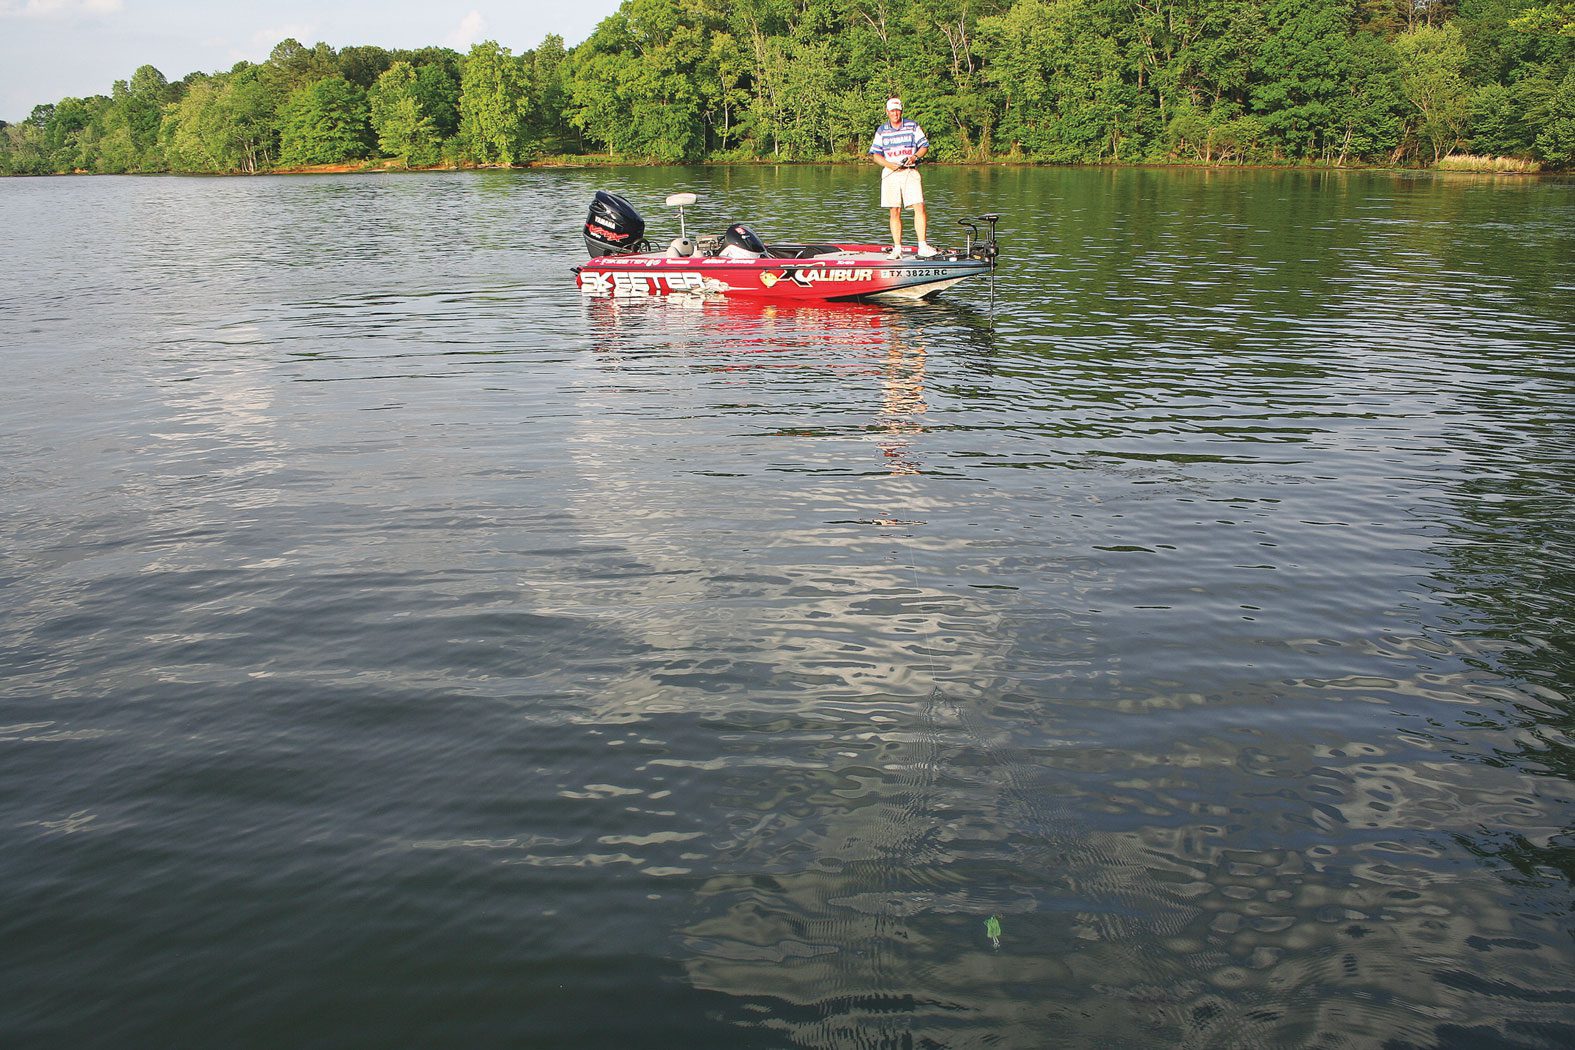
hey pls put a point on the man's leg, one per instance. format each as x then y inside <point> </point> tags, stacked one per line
<point>896,227</point>
<point>921,223</point>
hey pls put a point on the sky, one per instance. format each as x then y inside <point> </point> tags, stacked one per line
<point>52,49</point>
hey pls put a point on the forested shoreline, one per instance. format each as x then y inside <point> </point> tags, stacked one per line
<point>1332,82</point>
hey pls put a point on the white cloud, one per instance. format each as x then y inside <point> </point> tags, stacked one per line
<point>261,43</point>
<point>468,31</point>
<point>305,32</point>
<point>57,8</point>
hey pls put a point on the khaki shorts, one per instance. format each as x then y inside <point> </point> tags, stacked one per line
<point>900,189</point>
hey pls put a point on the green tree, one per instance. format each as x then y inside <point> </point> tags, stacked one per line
<point>808,94</point>
<point>1369,119</point>
<point>251,118</point>
<point>223,123</point>
<point>1430,62</point>
<point>544,67</point>
<point>1495,50</point>
<point>938,57</point>
<point>437,86</point>
<point>729,66</point>
<point>326,122</point>
<point>1553,117</point>
<point>1054,80</point>
<point>362,65</point>
<point>1497,122</point>
<point>753,24</point>
<point>1063,78</point>
<point>638,84</point>
<point>291,65</point>
<point>1557,18</point>
<point>22,150</point>
<point>129,125</point>
<point>69,133</point>
<point>492,106</point>
<point>195,132</point>
<point>1301,75</point>
<point>1209,46</point>
<point>402,125</point>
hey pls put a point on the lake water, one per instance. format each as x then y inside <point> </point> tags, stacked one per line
<point>398,650</point>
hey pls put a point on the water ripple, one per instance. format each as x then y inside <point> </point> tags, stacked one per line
<point>400,647</point>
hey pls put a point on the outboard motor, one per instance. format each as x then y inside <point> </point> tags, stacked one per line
<point>740,242</point>
<point>612,227</point>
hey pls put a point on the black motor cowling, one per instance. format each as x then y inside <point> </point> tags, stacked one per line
<point>740,236</point>
<point>612,227</point>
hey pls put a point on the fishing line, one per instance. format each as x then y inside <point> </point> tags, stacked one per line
<point>934,700</point>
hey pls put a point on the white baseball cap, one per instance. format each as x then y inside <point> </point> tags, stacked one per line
<point>893,103</point>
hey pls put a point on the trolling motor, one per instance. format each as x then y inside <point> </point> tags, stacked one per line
<point>977,248</point>
<point>983,249</point>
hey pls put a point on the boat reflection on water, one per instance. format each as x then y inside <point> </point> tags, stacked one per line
<point>902,407</point>
<point>869,813</point>
<point>739,326</point>
<point>851,342</point>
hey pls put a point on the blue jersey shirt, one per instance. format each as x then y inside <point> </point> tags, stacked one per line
<point>898,142</point>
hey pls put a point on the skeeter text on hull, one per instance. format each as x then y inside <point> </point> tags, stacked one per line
<point>739,263</point>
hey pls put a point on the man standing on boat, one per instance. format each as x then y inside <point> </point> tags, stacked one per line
<point>898,147</point>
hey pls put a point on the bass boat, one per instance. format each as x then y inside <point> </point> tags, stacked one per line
<point>739,263</point>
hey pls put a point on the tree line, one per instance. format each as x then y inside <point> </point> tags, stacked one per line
<point>1070,81</point>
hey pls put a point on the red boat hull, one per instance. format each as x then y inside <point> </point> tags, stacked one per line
<point>849,271</point>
